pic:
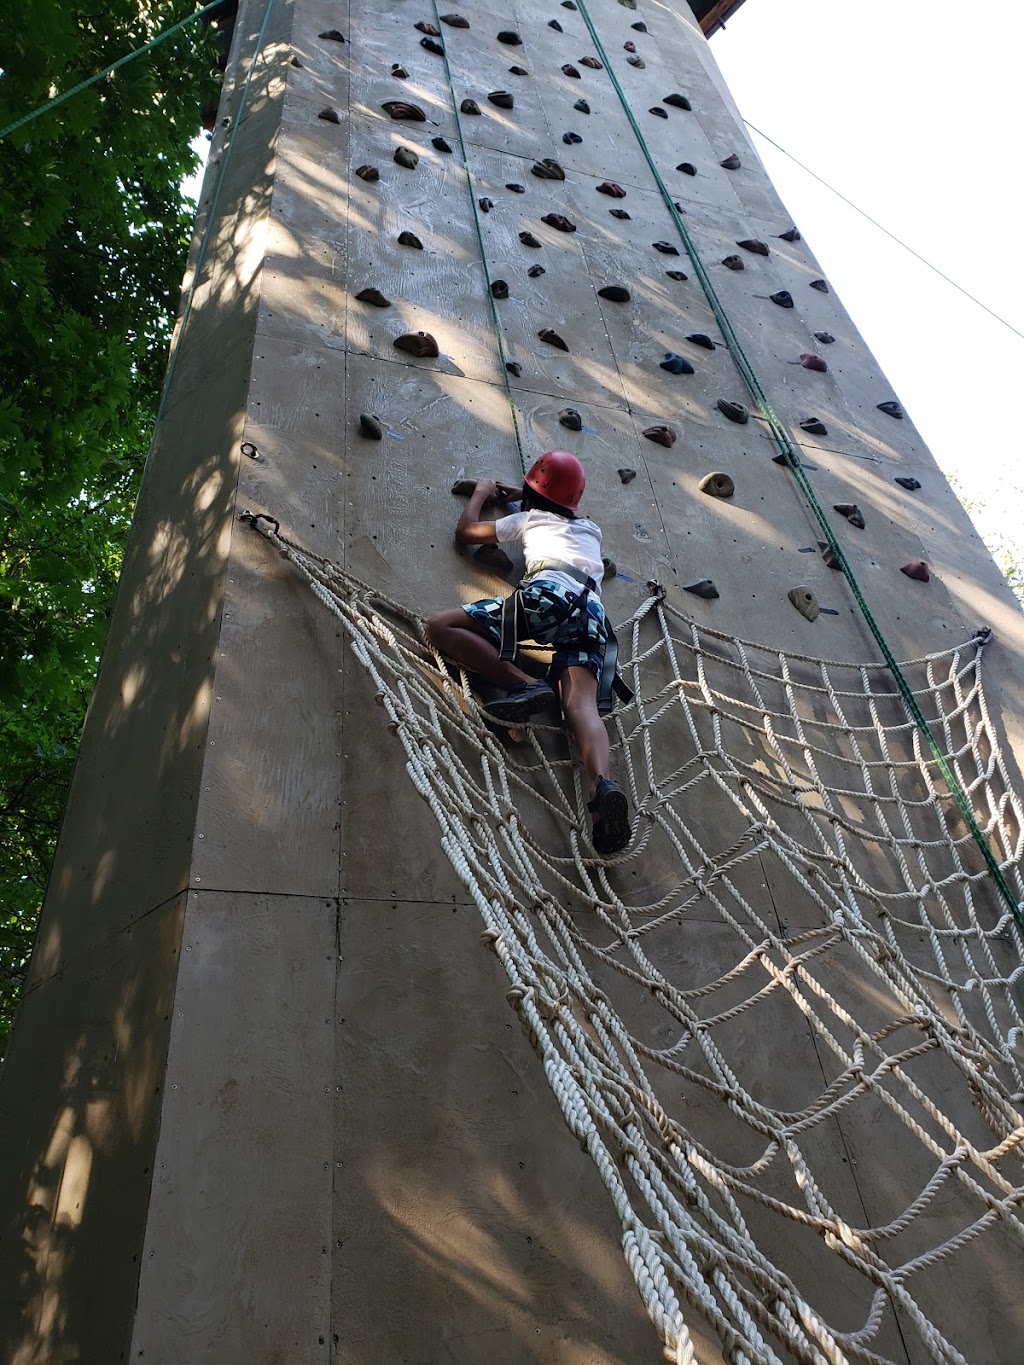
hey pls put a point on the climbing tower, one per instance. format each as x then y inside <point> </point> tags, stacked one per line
<point>309,1068</point>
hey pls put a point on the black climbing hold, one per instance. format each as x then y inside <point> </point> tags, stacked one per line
<point>399,72</point>
<point>454,21</point>
<point>731,163</point>
<point>405,156</point>
<point>755,247</point>
<point>814,426</point>
<point>911,485</point>
<point>569,4</point>
<point>733,263</point>
<point>516,189</point>
<point>402,109</point>
<point>640,27</point>
<point>805,602</point>
<point>375,297</point>
<point>420,344</point>
<point>547,169</point>
<point>687,168</point>
<point>851,512</point>
<point>514,367</point>
<point>735,412</point>
<point>620,213</point>
<point>370,427</point>
<point>891,408</point>
<point>826,338</point>
<point>675,364</point>
<point>700,339</point>
<point>510,38</point>
<point>570,138</point>
<point>329,115</point>
<point>535,272</point>
<point>570,419</point>
<point>676,275</point>
<point>469,107</point>
<point>499,289</point>
<point>917,569</point>
<point>638,62</point>
<point>614,293</point>
<point>552,338</point>
<point>528,239</point>
<point>702,587</point>
<point>296,62</point>
<point>485,204</point>
<point>782,297</point>
<point>666,248</point>
<point>717,485</point>
<point>432,45</point>
<point>829,555</point>
<point>333,36</point>
<point>553,23</point>
<point>627,475</point>
<point>783,458</point>
<point>410,239</point>
<point>368,173</point>
<point>813,362</point>
<point>570,70</point>
<point>677,102</point>
<point>819,285</point>
<point>661,435</point>
<point>501,99</point>
<point>424,27</point>
<point>790,235</point>
<point>610,188</point>
<point>658,113</point>
<point>518,71</point>
<point>582,107</point>
<point>441,144</point>
<point>592,62</point>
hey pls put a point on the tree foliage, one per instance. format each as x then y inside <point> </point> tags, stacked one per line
<point>93,238</point>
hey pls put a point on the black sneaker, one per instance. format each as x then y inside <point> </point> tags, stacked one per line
<point>610,809</point>
<point>521,703</point>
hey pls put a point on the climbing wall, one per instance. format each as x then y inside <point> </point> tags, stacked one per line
<point>278,1080</point>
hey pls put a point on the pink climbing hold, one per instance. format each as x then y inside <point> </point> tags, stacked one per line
<point>917,569</point>
<point>813,362</point>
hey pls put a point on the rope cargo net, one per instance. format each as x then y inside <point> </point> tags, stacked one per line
<point>796,870</point>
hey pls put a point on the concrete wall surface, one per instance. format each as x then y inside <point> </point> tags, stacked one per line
<point>266,1100</point>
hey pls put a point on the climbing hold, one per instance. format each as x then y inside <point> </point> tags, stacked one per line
<point>368,173</point>
<point>432,45</point>
<point>410,239</point>
<point>535,272</point>
<point>627,475</point>
<point>783,458</point>
<point>790,235</point>
<point>732,263</point>
<point>553,23</point>
<point>514,367</point>
<point>454,21</point>
<point>401,109</point>
<point>702,587</point>
<point>911,485</point>
<point>552,338</point>
<point>755,247</point>
<point>441,144</point>
<point>805,602</point>
<point>592,62</point>
<point>638,62</point>
<point>399,72</point>
<point>717,485</point>
<point>420,344</point>
<point>735,412</point>
<point>373,296</point>
<point>528,239</point>
<point>891,408</point>
<point>628,4</point>
<point>782,297</point>
<point>610,568</point>
<point>813,362</point>
<point>570,138</point>
<point>917,569</point>
<point>614,293</point>
<point>570,419</point>
<point>687,168</point>
<point>370,427</point>
<point>516,189</point>
<point>405,156</point>
<point>469,107</point>
<point>629,47</point>
<point>640,27</point>
<point>582,107</point>
<point>658,113</point>
<point>569,4</point>
<point>329,115</point>
<point>676,364</point>
<point>826,338</point>
<point>610,188</point>
<point>829,555</point>
<point>547,169</point>
<point>485,204</point>
<point>851,512</point>
<point>676,275</point>
<point>518,71</point>
<point>677,101</point>
<point>499,289</point>
<point>731,163</point>
<point>814,426</point>
<point>570,70</point>
<point>501,99</point>
<point>510,38</point>
<point>819,285</point>
<point>559,222</point>
<point>620,213</point>
<point>333,36</point>
<point>666,248</point>
<point>661,435</point>
<point>701,339</point>
<point>424,27</point>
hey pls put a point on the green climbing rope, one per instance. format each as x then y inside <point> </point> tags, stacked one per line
<point>107,70</point>
<point>786,447</point>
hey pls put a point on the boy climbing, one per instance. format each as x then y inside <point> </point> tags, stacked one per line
<point>558,603</point>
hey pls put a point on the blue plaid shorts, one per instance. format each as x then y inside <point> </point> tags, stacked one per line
<point>578,642</point>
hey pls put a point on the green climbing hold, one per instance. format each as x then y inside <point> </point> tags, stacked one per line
<point>420,344</point>
<point>405,156</point>
<point>702,587</point>
<point>717,485</point>
<point>805,602</point>
<point>373,296</point>
<point>370,427</point>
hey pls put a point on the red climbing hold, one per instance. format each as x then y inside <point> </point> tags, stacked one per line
<point>610,188</point>
<point>401,109</point>
<point>420,344</point>
<point>813,362</point>
<point>918,570</point>
<point>661,435</point>
<point>559,222</point>
<point>570,70</point>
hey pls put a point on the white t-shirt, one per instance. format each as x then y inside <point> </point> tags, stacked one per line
<point>547,536</point>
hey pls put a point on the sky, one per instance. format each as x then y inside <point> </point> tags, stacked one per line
<point>911,109</point>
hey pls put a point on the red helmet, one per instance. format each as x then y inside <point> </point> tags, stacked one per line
<point>558,475</point>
